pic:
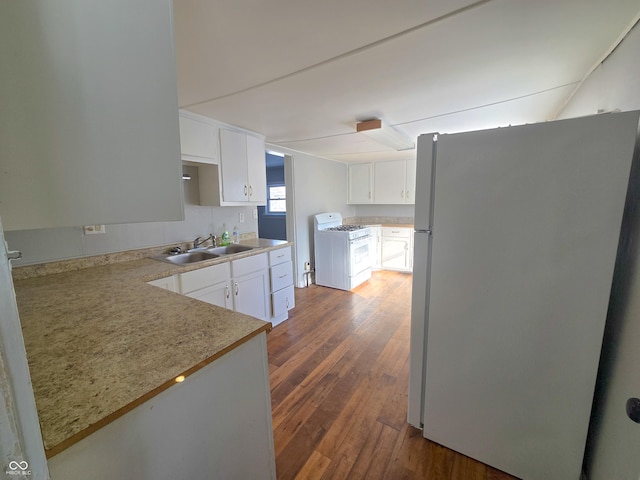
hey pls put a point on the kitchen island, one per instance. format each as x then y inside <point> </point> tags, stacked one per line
<point>105,350</point>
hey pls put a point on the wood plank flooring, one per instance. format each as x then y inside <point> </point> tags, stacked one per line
<point>339,376</point>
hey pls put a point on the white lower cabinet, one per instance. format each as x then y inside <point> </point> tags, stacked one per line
<point>218,294</point>
<point>397,249</point>
<point>282,291</point>
<point>214,425</point>
<point>209,284</point>
<point>258,285</point>
<point>241,285</point>
<point>168,283</point>
<point>250,284</point>
<point>375,247</point>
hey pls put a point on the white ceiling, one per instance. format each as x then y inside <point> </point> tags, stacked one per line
<point>304,72</point>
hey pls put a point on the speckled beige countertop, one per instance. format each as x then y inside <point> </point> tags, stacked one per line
<point>101,341</point>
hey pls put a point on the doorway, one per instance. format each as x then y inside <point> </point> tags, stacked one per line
<point>272,217</point>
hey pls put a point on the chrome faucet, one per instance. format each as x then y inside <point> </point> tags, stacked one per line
<point>199,241</point>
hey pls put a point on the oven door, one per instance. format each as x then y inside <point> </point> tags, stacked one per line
<point>359,259</point>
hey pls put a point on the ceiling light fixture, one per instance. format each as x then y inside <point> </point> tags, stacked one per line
<point>385,134</point>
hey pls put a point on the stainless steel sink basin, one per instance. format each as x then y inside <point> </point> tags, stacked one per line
<point>189,257</point>
<point>229,249</point>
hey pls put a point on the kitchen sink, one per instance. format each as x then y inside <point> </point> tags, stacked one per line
<point>189,257</point>
<point>229,249</point>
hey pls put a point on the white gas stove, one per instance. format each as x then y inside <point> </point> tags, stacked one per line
<point>341,252</point>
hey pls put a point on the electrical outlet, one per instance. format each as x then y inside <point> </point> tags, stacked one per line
<point>93,229</point>
<point>241,217</point>
<point>307,266</point>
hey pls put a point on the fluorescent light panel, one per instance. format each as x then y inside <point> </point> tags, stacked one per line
<point>385,134</point>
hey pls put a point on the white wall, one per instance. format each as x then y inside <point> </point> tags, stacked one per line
<point>318,185</point>
<point>612,450</point>
<point>43,245</point>
<point>403,211</point>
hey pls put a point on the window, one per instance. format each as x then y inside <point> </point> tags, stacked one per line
<point>277,201</point>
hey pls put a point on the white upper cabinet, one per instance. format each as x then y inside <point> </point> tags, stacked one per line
<point>389,182</point>
<point>198,138</point>
<point>257,170</point>
<point>360,183</point>
<point>89,118</point>
<point>242,161</point>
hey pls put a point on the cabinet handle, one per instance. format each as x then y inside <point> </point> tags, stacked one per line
<point>226,291</point>
<point>408,195</point>
<point>287,303</point>
<point>236,287</point>
<point>245,190</point>
<point>283,276</point>
<point>250,191</point>
<point>402,194</point>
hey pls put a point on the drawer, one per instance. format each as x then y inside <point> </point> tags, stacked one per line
<point>203,277</point>
<point>248,265</point>
<point>283,300</point>
<point>281,276</point>
<point>279,256</point>
<point>399,232</point>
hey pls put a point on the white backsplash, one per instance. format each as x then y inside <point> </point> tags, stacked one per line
<point>45,245</point>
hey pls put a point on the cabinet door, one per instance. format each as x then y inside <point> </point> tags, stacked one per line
<point>395,252</point>
<point>251,295</point>
<point>389,180</point>
<point>89,130</point>
<point>204,277</point>
<point>360,183</point>
<point>198,139</point>
<point>283,301</point>
<point>219,294</point>
<point>168,283</point>
<point>257,170</point>
<point>375,247</point>
<point>233,162</point>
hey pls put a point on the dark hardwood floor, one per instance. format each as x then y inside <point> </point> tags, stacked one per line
<point>339,376</point>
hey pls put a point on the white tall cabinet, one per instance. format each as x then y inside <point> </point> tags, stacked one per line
<point>89,114</point>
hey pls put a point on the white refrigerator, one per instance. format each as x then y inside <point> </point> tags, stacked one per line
<point>516,239</point>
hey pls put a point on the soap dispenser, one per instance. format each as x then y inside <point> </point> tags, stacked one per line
<point>225,236</point>
<point>236,235</point>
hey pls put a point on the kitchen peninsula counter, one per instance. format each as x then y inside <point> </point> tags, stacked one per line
<point>101,341</point>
